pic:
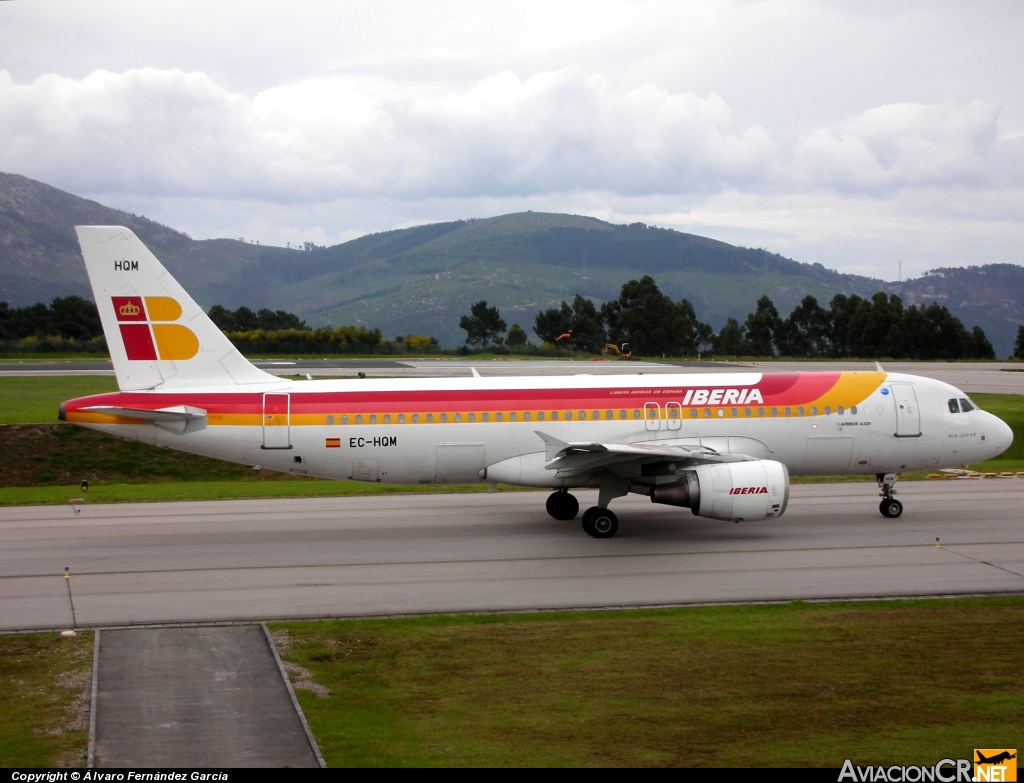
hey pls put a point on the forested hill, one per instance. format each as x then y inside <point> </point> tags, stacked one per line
<point>422,279</point>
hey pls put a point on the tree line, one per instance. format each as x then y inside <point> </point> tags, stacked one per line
<point>654,325</point>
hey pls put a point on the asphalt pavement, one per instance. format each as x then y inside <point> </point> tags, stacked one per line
<point>211,561</point>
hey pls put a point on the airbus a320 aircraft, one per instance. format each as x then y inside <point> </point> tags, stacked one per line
<point>723,445</point>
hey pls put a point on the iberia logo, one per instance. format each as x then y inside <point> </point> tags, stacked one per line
<point>146,331</point>
<point>995,764</point>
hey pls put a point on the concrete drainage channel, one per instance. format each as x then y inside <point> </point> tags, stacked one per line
<point>208,696</point>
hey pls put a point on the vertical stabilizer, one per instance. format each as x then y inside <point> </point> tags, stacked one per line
<point>156,334</point>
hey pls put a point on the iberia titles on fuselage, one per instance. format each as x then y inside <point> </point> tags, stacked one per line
<point>721,444</point>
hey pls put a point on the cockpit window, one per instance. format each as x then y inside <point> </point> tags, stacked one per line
<point>965,405</point>
<point>954,406</point>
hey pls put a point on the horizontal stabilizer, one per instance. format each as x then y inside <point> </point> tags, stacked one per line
<point>157,416</point>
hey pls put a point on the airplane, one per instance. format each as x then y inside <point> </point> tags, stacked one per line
<point>996,759</point>
<point>723,445</point>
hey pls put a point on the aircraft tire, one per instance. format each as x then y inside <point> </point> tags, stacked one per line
<point>562,506</point>
<point>891,508</point>
<point>600,522</point>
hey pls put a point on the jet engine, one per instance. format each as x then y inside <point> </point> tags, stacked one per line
<point>738,491</point>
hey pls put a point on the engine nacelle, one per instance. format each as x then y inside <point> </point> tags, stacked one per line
<point>737,491</point>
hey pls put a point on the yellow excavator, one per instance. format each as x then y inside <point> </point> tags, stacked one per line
<point>622,353</point>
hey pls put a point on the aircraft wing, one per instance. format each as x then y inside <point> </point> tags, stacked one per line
<point>576,458</point>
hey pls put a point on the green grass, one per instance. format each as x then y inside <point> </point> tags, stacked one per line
<point>31,400</point>
<point>221,490</point>
<point>44,700</point>
<point>798,684</point>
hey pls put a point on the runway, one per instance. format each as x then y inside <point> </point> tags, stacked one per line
<point>989,377</point>
<point>346,557</point>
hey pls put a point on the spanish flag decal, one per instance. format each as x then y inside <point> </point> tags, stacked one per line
<point>333,443</point>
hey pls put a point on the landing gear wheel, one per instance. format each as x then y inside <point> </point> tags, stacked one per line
<point>600,522</point>
<point>891,508</point>
<point>563,506</point>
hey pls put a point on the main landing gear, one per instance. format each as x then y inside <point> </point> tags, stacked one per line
<point>890,507</point>
<point>598,522</point>
<point>563,506</point>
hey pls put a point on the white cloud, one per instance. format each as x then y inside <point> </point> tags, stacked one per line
<point>832,131</point>
<point>173,133</point>
<point>904,145</point>
<point>176,133</point>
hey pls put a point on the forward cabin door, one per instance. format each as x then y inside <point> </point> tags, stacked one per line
<point>908,415</point>
<point>276,414</point>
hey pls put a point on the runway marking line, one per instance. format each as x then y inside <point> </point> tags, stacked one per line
<point>547,558</point>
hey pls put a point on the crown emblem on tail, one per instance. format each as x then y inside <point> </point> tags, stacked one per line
<point>129,308</point>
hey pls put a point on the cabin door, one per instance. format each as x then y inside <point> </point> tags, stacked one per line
<point>276,430</point>
<point>908,415</point>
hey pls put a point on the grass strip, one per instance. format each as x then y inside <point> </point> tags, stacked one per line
<point>36,400</point>
<point>221,490</point>
<point>900,682</point>
<point>44,700</point>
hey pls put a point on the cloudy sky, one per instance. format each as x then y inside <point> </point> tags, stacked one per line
<point>854,134</point>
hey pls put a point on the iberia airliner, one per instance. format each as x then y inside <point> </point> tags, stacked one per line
<point>720,444</point>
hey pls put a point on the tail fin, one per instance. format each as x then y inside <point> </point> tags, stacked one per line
<point>156,334</point>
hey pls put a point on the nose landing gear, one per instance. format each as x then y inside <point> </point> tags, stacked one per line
<point>562,506</point>
<point>890,507</point>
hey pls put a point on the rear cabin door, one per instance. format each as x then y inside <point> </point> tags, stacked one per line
<point>276,429</point>
<point>908,415</point>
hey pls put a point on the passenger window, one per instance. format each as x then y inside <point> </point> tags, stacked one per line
<point>511,416</point>
<point>622,414</point>
<point>954,406</point>
<point>760,411</point>
<point>444,417</point>
<point>607,415</point>
<point>458,417</point>
<point>853,410</point>
<point>415,418</point>
<point>344,419</point>
<point>693,413</point>
<point>839,410</point>
<point>554,415</point>
<point>828,410</point>
<point>387,418</point>
<point>707,413</point>
<point>788,411</point>
<point>775,411</point>
<point>330,419</point>
<point>800,411</point>
<point>636,413</point>
<point>526,415</point>
<point>486,416</point>
<point>373,418</point>
<point>499,416</point>
<point>965,405</point>
<point>472,417</point>
<point>746,412</point>
<point>540,415</point>
<point>401,418</point>
<point>359,418</point>
<point>430,418</point>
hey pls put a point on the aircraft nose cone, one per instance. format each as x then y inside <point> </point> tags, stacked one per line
<point>1004,436</point>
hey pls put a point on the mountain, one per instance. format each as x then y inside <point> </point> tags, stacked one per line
<point>422,279</point>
